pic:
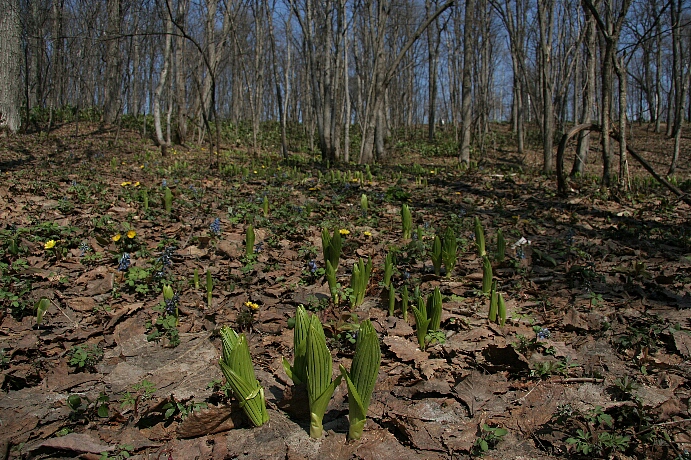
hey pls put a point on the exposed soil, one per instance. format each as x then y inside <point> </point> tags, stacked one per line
<point>594,358</point>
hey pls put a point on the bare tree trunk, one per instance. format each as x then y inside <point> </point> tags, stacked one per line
<point>112,103</point>
<point>160,140</point>
<point>433,41</point>
<point>180,85</point>
<point>620,69</point>
<point>466,84</point>
<point>277,81</point>
<point>546,23</point>
<point>588,100</point>
<point>10,62</point>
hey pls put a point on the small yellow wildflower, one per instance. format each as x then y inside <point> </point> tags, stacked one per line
<point>141,167</point>
<point>252,306</point>
<point>136,184</point>
<point>431,171</point>
<point>368,234</point>
<point>344,231</point>
<point>131,234</point>
<point>126,183</point>
<point>49,244</point>
<point>255,172</point>
<point>117,237</point>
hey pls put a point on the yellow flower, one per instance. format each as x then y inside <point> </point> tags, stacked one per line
<point>49,244</point>
<point>431,171</point>
<point>344,231</point>
<point>367,233</point>
<point>255,172</point>
<point>252,306</point>
<point>126,183</point>
<point>117,237</point>
<point>141,167</point>
<point>131,234</point>
<point>136,184</point>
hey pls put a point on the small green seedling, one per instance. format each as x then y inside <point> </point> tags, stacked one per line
<point>364,204</point>
<point>489,438</point>
<point>249,241</point>
<point>359,281</point>
<point>486,275</point>
<point>388,269</point>
<point>479,238</point>
<point>41,308</point>
<point>449,251</point>
<point>168,200</point>
<point>493,302</point>
<point>331,246</point>
<point>436,255</point>
<point>236,365</point>
<point>407,221</point>
<point>421,322</point>
<point>392,299</point>
<point>330,273</point>
<point>265,206</point>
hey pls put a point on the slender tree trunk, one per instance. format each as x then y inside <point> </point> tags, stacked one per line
<point>158,92</point>
<point>180,85</point>
<point>111,106</point>
<point>10,62</point>
<point>466,84</point>
<point>620,69</point>
<point>588,99</point>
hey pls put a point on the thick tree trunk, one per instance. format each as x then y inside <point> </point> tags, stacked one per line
<point>10,62</point>
<point>158,92</point>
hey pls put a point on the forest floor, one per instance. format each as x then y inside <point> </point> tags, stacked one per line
<point>594,359</point>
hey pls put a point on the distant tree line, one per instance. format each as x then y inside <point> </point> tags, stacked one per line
<point>351,71</point>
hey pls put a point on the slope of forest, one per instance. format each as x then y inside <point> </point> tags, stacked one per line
<point>593,360</point>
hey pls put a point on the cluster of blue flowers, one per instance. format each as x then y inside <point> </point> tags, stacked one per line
<point>166,260</point>
<point>312,266</point>
<point>259,247</point>
<point>124,263</point>
<point>172,304</point>
<point>215,227</point>
<point>83,248</point>
<point>543,333</point>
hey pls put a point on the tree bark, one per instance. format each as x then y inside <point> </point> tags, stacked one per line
<point>466,83</point>
<point>10,61</point>
<point>112,102</point>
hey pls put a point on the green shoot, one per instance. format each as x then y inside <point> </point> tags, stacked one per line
<point>333,282</point>
<point>486,275</point>
<point>359,281</point>
<point>236,365</point>
<point>479,238</point>
<point>362,378</point>
<point>249,241</point>
<point>434,310</point>
<point>168,200</point>
<point>421,322</point>
<point>404,303</point>
<point>493,303</point>
<point>449,251</point>
<point>392,299</point>
<point>298,371</point>
<point>436,255</point>
<point>407,221</point>
<point>319,370</point>
<point>388,269</point>
<point>331,245</point>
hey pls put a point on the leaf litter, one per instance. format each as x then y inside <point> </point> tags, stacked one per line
<point>598,297</point>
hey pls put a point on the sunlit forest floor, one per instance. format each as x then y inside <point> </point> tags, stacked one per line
<point>593,359</point>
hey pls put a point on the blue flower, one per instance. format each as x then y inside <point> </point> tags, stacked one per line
<point>164,183</point>
<point>172,304</point>
<point>124,263</point>
<point>312,265</point>
<point>543,333</point>
<point>84,247</point>
<point>215,227</point>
